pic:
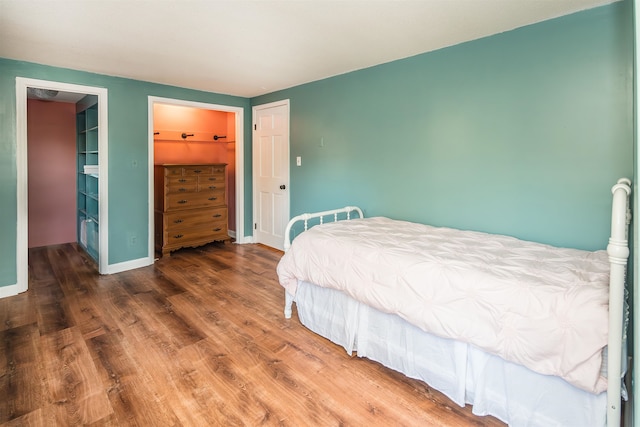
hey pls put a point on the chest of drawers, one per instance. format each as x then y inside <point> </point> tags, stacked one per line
<point>190,205</point>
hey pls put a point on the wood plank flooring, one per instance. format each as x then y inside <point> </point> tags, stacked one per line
<point>197,339</point>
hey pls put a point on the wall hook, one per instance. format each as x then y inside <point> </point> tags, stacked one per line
<point>216,137</point>
<point>185,135</point>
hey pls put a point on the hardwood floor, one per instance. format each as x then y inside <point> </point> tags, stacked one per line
<point>198,339</point>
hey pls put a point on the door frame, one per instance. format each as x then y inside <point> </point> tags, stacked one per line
<point>239,161</point>
<point>254,109</point>
<point>22,237</point>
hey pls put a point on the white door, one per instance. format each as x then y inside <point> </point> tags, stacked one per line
<point>271,173</point>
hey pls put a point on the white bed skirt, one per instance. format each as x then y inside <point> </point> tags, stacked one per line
<point>465,374</point>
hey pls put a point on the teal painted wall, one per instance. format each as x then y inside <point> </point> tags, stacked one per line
<point>522,133</point>
<point>128,127</point>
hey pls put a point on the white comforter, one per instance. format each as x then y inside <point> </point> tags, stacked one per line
<point>537,305</point>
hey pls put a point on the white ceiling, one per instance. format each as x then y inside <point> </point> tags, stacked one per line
<point>248,48</point>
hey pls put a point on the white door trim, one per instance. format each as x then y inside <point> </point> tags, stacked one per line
<point>22,237</point>
<point>239,115</point>
<point>286,103</point>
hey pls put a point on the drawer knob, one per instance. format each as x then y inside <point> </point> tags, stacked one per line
<point>178,221</point>
<point>217,215</point>
<point>182,189</point>
<point>217,229</point>
<point>182,202</point>
<point>178,236</point>
<point>212,187</point>
<point>182,180</point>
<point>213,198</point>
<point>197,171</point>
<point>213,179</point>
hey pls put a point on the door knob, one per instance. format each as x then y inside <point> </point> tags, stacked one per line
<point>282,187</point>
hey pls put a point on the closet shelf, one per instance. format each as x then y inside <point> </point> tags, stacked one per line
<point>90,195</point>
<point>87,183</point>
<point>189,136</point>
<point>88,130</point>
<point>87,215</point>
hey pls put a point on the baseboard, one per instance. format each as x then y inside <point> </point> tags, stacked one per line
<point>244,240</point>
<point>129,265</point>
<point>10,291</point>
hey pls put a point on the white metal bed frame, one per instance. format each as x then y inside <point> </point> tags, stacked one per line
<point>305,219</point>
<point>618,251</point>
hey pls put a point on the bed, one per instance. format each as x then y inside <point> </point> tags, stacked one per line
<point>532,334</point>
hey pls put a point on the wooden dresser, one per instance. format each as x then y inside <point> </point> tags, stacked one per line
<point>190,205</point>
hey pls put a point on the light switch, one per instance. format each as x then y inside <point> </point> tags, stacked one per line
<point>299,161</point>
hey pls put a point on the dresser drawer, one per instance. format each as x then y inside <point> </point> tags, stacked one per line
<point>218,169</point>
<point>204,185</point>
<point>177,201</point>
<point>197,170</point>
<point>192,236</point>
<point>173,171</point>
<point>181,180</point>
<point>182,188</point>
<point>199,218</point>
<point>215,197</point>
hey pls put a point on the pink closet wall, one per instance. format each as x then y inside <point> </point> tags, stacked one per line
<point>51,147</point>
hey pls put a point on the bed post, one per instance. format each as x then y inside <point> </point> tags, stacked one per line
<point>618,250</point>
<point>288,304</point>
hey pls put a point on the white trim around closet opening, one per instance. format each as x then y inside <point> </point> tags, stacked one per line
<point>239,161</point>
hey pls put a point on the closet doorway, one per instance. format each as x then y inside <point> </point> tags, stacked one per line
<point>186,132</point>
<point>39,104</point>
